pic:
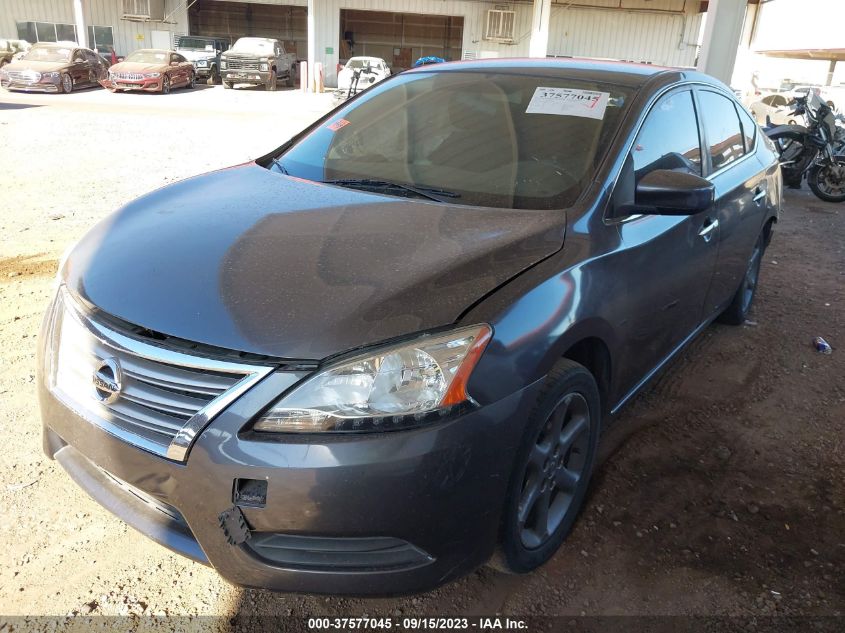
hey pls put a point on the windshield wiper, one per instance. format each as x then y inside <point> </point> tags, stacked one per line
<point>373,184</point>
<point>281,167</point>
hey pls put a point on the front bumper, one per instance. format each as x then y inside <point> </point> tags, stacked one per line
<point>21,86</point>
<point>143,85</point>
<point>382,513</point>
<point>254,77</point>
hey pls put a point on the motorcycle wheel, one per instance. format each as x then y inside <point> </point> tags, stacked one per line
<point>790,147</point>
<point>827,181</point>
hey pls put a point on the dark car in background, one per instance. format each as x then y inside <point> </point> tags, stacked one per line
<point>54,67</point>
<point>204,53</point>
<point>382,354</point>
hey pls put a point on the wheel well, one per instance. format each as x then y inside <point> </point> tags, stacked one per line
<point>767,231</point>
<point>593,354</point>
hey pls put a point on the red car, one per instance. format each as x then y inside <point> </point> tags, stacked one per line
<point>151,70</point>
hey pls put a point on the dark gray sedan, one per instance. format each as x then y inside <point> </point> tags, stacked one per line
<point>382,354</point>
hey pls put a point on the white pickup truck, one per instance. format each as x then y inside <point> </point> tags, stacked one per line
<point>257,61</point>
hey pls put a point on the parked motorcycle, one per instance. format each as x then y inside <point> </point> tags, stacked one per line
<point>811,150</point>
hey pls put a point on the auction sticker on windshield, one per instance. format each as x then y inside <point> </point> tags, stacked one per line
<point>568,102</point>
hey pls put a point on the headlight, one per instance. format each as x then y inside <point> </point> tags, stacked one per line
<point>4,74</point>
<point>402,385</point>
<point>202,63</point>
<point>152,75</point>
<point>222,64</point>
<point>264,67</point>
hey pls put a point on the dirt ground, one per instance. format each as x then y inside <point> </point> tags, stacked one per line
<point>722,487</point>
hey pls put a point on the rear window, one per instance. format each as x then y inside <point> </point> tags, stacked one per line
<point>493,139</point>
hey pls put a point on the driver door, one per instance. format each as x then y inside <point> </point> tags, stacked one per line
<point>80,68</point>
<point>667,262</point>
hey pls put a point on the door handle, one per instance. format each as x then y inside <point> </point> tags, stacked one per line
<point>759,194</point>
<point>707,230</point>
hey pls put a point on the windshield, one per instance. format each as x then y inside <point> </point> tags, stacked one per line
<point>148,57</point>
<point>253,45</point>
<point>490,139</point>
<point>48,54</point>
<point>195,44</point>
<point>359,63</point>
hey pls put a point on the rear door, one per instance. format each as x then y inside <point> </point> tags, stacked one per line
<point>668,260</point>
<point>741,190</point>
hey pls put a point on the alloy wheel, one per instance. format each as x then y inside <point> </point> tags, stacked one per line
<point>165,85</point>
<point>555,467</point>
<point>67,83</point>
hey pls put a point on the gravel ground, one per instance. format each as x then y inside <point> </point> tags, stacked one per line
<point>721,488</point>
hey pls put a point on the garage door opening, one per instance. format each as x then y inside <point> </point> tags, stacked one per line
<point>232,20</point>
<point>399,38</point>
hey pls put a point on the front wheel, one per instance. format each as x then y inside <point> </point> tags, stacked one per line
<point>67,83</point>
<point>827,181</point>
<point>228,85</point>
<point>192,82</point>
<point>271,82</point>
<point>165,85</point>
<point>552,469</point>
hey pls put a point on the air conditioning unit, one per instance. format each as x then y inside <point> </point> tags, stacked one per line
<point>143,10</point>
<point>500,26</point>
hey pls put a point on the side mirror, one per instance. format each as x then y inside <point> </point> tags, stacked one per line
<point>667,192</point>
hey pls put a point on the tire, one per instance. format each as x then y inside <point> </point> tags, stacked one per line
<point>271,83</point>
<point>66,83</point>
<point>228,85</point>
<point>737,312</point>
<point>192,82</point>
<point>213,76</point>
<point>552,471</point>
<point>289,79</point>
<point>165,85</point>
<point>828,181</point>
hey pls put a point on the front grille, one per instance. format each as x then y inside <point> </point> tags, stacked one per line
<point>156,398</point>
<point>24,76</point>
<point>128,76</point>
<point>242,64</point>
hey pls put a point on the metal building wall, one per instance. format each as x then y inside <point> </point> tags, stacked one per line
<point>97,13</point>
<point>647,35</point>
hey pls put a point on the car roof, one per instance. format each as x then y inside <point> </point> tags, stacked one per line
<point>626,74</point>
<point>152,50</point>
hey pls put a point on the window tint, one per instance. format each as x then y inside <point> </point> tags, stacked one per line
<point>669,137</point>
<point>749,129</point>
<point>778,101</point>
<point>770,100</point>
<point>722,128</point>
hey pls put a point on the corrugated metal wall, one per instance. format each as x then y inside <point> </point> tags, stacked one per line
<point>128,36</point>
<point>656,31</point>
<point>667,39</point>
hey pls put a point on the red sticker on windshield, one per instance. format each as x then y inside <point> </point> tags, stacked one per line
<point>334,127</point>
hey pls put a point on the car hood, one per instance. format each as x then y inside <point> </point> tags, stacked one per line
<point>254,261</point>
<point>138,67</point>
<point>194,56</point>
<point>41,67</point>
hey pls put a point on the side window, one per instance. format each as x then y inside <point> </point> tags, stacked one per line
<point>749,129</point>
<point>778,101</point>
<point>770,100</point>
<point>669,137</point>
<point>722,128</point>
